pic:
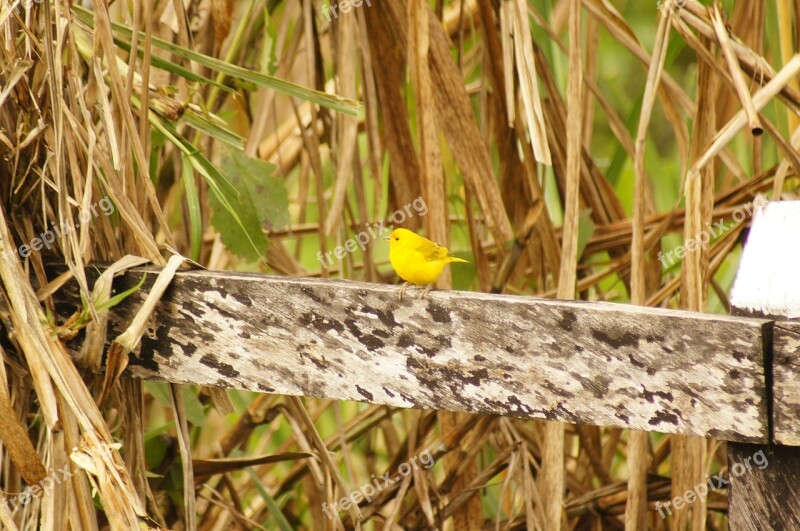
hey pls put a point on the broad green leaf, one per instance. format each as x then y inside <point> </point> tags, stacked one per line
<point>243,236</point>
<point>241,231</point>
<point>193,407</point>
<point>159,391</point>
<point>254,178</point>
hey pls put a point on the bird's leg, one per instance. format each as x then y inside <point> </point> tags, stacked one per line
<point>425,291</point>
<point>402,290</point>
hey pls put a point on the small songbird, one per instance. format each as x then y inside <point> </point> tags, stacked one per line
<point>417,260</point>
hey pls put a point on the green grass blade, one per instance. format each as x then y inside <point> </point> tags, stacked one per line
<point>331,101</point>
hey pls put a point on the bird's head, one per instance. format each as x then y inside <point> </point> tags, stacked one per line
<point>400,238</point>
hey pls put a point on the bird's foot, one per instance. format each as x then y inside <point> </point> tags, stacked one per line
<point>402,290</point>
<point>424,292</point>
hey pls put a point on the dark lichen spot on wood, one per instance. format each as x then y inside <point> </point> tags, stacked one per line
<point>735,374</point>
<point>567,415</point>
<point>512,399</point>
<point>233,318</point>
<point>210,360</point>
<point>372,342</point>
<point>479,358</point>
<point>739,356</point>
<point>650,396</point>
<point>477,376</point>
<point>598,388</point>
<point>624,418</point>
<point>305,351</point>
<point>513,406</point>
<point>265,388</point>
<point>387,318</point>
<point>146,357</point>
<point>363,392</point>
<point>556,390</point>
<point>443,341</point>
<point>651,371</point>
<point>568,320</point>
<point>429,352</point>
<point>635,362</point>
<point>222,382</point>
<point>187,349</point>
<point>440,314</point>
<point>506,376</point>
<point>320,323</point>
<point>663,416</point>
<point>191,307</point>
<point>241,297</point>
<point>509,349</point>
<point>308,291</point>
<point>391,394</point>
<point>413,363</point>
<point>405,340</point>
<point>353,327</point>
<point>616,339</point>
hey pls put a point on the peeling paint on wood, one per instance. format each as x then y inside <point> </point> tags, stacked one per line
<point>594,363</point>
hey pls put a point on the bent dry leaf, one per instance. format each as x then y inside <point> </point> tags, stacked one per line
<point>123,344</point>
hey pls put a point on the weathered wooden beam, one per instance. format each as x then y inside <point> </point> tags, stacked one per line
<point>594,363</point>
<point>786,383</point>
<point>766,497</point>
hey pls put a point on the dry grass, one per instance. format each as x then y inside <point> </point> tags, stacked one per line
<point>554,149</point>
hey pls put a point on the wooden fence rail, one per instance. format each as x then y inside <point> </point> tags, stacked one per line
<point>580,362</point>
<point>594,363</point>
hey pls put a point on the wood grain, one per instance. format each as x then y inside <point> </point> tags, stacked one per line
<point>786,383</point>
<point>593,363</point>
<point>764,487</point>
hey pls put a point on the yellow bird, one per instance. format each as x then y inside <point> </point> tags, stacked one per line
<point>417,260</point>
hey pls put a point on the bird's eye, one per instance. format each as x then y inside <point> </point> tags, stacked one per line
<point>397,238</point>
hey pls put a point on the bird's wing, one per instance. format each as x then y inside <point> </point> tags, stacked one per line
<point>430,251</point>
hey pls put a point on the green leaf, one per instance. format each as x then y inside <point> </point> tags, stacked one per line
<point>211,127</point>
<point>193,407</point>
<point>268,60</point>
<point>254,178</point>
<point>159,391</point>
<point>193,202</point>
<point>272,505</point>
<point>235,215</point>
<point>261,201</point>
<point>243,236</point>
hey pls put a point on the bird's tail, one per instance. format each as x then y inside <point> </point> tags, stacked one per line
<point>454,259</point>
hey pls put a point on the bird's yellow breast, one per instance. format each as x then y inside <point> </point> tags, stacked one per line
<point>413,267</point>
